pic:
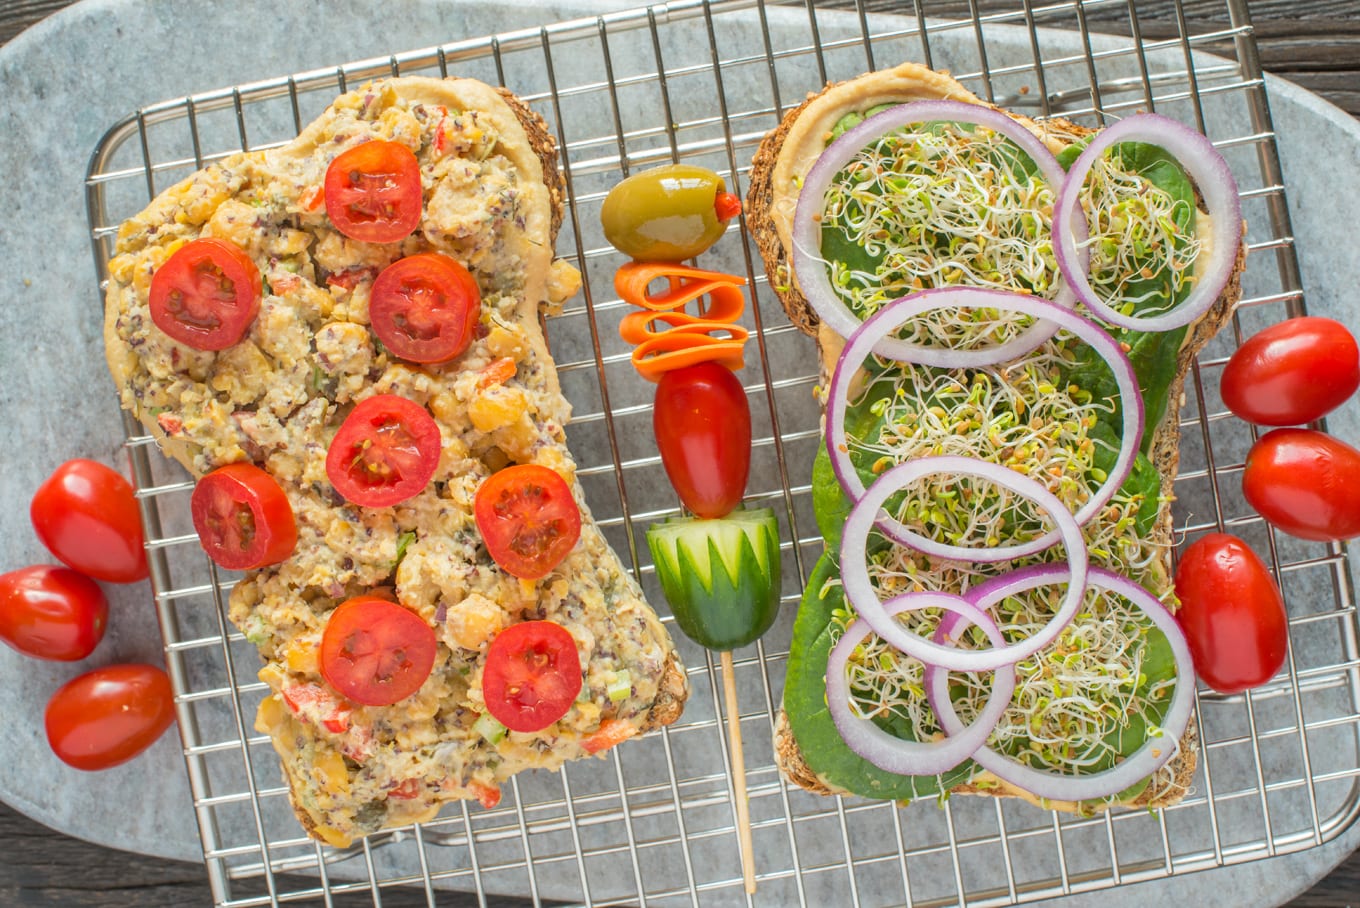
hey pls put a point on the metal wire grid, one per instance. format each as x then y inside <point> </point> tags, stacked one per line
<point>653,823</point>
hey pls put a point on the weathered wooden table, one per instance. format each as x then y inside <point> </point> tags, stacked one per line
<point>1315,43</point>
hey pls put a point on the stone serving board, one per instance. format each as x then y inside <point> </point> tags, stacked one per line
<point>71,77</point>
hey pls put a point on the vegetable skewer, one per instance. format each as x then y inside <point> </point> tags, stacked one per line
<point>720,570</point>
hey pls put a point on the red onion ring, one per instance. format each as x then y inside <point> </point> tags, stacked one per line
<point>859,591</point>
<point>1216,185</point>
<point>915,758</point>
<point>1052,785</point>
<point>893,316</point>
<point>806,258</point>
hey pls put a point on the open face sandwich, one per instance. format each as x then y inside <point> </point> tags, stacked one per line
<point>935,203</point>
<point>490,199</point>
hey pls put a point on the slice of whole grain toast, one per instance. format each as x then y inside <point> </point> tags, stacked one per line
<point>779,163</point>
<point>493,201</point>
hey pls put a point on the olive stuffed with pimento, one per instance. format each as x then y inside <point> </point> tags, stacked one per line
<point>668,213</point>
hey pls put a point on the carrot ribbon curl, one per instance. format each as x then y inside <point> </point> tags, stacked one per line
<point>685,340</point>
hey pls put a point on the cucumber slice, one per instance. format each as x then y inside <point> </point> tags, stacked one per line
<point>721,577</point>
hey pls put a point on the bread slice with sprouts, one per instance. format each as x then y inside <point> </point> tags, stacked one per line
<point>966,207</point>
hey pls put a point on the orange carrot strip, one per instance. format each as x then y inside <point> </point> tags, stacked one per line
<point>726,300</point>
<point>487,795</point>
<point>667,337</point>
<point>640,327</point>
<point>681,347</point>
<point>497,372</point>
<point>610,733</point>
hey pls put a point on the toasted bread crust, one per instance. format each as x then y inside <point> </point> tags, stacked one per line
<point>545,148</point>
<point>671,693</point>
<point>1170,783</point>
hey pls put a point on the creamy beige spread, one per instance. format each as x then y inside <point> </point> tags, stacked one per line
<point>277,397</point>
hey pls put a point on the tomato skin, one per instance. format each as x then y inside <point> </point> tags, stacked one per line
<point>702,423</point>
<point>1305,483</point>
<point>317,705</point>
<point>52,612</point>
<point>528,519</point>
<point>243,517</point>
<point>87,515</point>
<point>385,451</point>
<point>1292,373</point>
<point>1232,614</point>
<point>206,294</point>
<point>425,308</point>
<point>373,192</point>
<point>375,651</point>
<point>532,675</point>
<point>108,716</point>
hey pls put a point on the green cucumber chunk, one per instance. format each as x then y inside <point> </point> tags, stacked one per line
<point>720,576</point>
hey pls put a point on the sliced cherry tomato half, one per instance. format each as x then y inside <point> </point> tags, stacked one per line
<point>86,514</point>
<point>206,294</point>
<point>702,423</point>
<point>52,612</point>
<point>376,652</point>
<point>373,192</point>
<point>243,517</point>
<point>1306,483</point>
<point>1232,614</point>
<point>110,715</point>
<point>528,519</point>
<point>1292,373</point>
<point>386,451</point>
<point>424,308</point>
<point>532,675</point>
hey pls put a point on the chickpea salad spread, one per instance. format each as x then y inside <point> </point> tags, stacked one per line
<point>308,313</point>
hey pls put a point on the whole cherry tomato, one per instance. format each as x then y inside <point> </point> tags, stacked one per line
<point>424,308</point>
<point>1305,483</point>
<point>528,519</point>
<point>373,192</point>
<point>243,517</point>
<point>532,675</point>
<point>703,430</point>
<point>385,452</point>
<point>52,612</point>
<point>110,715</point>
<point>206,294</point>
<point>1292,373</point>
<point>376,652</point>
<point>86,515</point>
<point>1232,614</point>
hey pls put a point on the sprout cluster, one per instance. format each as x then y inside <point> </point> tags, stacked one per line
<point>1073,697</point>
<point>942,205</point>
<point>1141,257</point>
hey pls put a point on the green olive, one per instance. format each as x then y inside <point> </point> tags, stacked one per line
<point>667,214</point>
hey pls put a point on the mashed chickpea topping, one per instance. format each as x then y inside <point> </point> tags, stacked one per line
<point>278,396</point>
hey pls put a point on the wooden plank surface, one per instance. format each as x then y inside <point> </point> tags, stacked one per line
<point>1315,43</point>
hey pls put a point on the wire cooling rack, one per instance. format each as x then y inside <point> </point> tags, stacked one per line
<point>653,823</point>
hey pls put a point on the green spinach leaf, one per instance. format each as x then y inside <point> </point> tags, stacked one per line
<point>824,751</point>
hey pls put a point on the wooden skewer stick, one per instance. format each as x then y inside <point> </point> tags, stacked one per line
<point>748,860</point>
